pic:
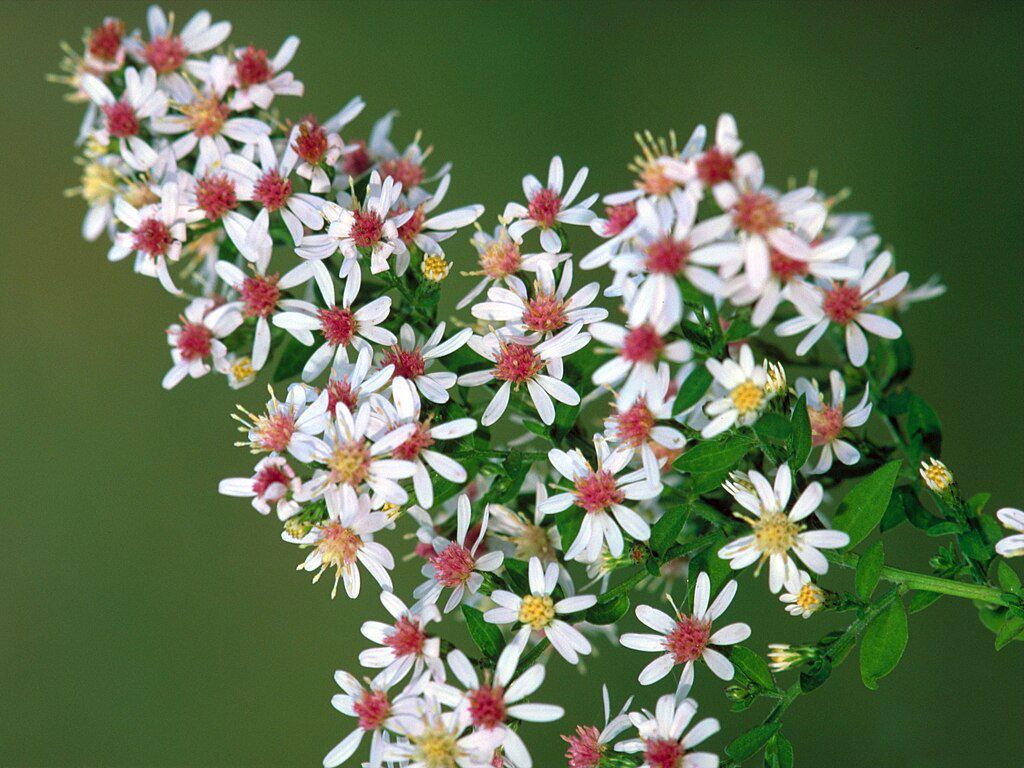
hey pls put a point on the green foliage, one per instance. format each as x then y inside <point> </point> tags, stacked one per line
<point>869,570</point>
<point>800,443</point>
<point>753,666</point>
<point>1011,629</point>
<point>291,361</point>
<point>863,507</point>
<point>775,433</point>
<point>665,531</point>
<point>568,523</point>
<point>748,744</point>
<point>720,455</point>
<point>517,574</point>
<point>718,570</point>
<point>778,753</point>
<point>883,644</point>
<point>487,636</point>
<point>693,388</point>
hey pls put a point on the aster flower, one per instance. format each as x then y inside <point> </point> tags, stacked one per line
<point>719,167</point>
<point>352,383</point>
<point>433,738</point>
<point>936,475</point>
<point>288,426</point>
<point>404,646</point>
<point>411,360</point>
<point>405,167</point>
<point>546,207</point>
<point>775,533</point>
<point>417,448</point>
<point>640,350</point>
<point>805,598</point>
<point>122,118</point>
<point>527,533</point>
<point>688,637</point>
<point>1012,545</point>
<point>846,304</point>
<point>318,146</point>
<point>599,493</point>
<point>828,420</point>
<point>197,339</point>
<point>589,745</point>
<point>456,566</point>
<point>427,230</point>
<point>517,363</point>
<point>341,327</point>
<point>745,397</point>
<point>258,79</point>
<point>635,423</point>
<point>345,540</point>
<point>273,483</point>
<point>500,259</point>
<point>166,52</point>
<point>539,612</point>
<point>377,711</point>
<point>490,703</point>
<point>661,736</point>
<point>101,183</point>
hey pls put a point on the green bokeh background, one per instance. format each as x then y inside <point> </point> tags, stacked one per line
<point>144,620</point>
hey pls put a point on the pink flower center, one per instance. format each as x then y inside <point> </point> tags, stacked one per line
<point>407,639</point>
<point>842,303</point>
<point>517,363</point>
<point>715,166</point>
<point>785,267</point>
<point>408,231</point>
<point>357,161</point>
<point>487,706</point>
<point>409,363</point>
<point>501,259</point>
<point>585,748</point>
<point>338,325</point>
<point>274,431</point>
<point>597,491</point>
<point>667,256</point>
<point>653,180</point>
<point>340,391</point>
<point>165,54</point>
<point>253,67</point>
<point>206,116</point>
<point>105,40</point>
<point>215,194</point>
<point>272,476</point>
<point>452,565</point>
<point>688,640</point>
<point>545,312</point>
<point>642,345</point>
<point>260,295</point>
<point>663,753</point>
<point>271,191</point>
<point>417,442</point>
<point>338,544</point>
<point>311,141</point>
<point>826,424</point>
<point>122,121</point>
<point>618,218</point>
<point>633,426</point>
<point>756,213</point>
<point>372,709</point>
<point>544,207</point>
<point>403,170</point>
<point>194,341</point>
<point>152,237</point>
<point>367,227</point>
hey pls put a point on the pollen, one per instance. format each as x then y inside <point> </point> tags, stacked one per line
<point>936,475</point>
<point>596,492</point>
<point>785,268</point>
<point>517,363</point>
<point>105,40</point>
<point>415,444</point>
<point>487,707</point>
<point>340,391</point>
<point>537,610</point>
<point>194,341</point>
<point>403,170</point>
<point>409,363</point>
<point>667,256</point>
<point>357,160</point>
<point>311,141</point>
<point>544,208</point>
<point>260,295</point>
<point>452,565</point>
<point>350,462</point>
<point>372,709</point>
<point>663,753</point>
<point>407,232</point>
<point>253,67</point>
<point>165,54</point>
<point>152,237</point>
<point>242,370</point>
<point>618,217</point>
<point>435,747</point>
<point>545,312</point>
<point>272,477</point>
<point>435,268</point>
<point>122,121</point>
<point>407,639</point>
<point>215,194</point>
<point>272,191</point>
<point>273,430</point>
<point>338,546</point>
<point>756,213</point>
<point>775,533</point>
<point>585,747</point>
<point>715,166</point>
<point>810,598</point>
<point>747,397</point>
<point>633,426</point>
<point>367,228</point>
<point>501,258</point>
<point>99,183</point>
<point>206,116</point>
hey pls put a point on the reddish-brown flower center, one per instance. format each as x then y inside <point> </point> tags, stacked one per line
<point>663,753</point>
<point>842,303</point>
<point>272,191</point>
<point>408,231</point>
<point>618,218</point>
<point>407,639</point>
<point>206,116</point>
<point>372,709</point>
<point>311,141</point>
<point>122,121</point>
<point>667,256</point>
<point>597,491</point>
<point>756,213</point>
<point>274,430</point>
<point>633,426</point>
<point>642,344</point>
<point>105,40</point>
<point>715,166</point>
<point>517,363</point>
<point>367,227</point>
<point>785,267</point>
<point>544,207</point>
<point>356,161</point>
<point>545,312</point>
<point>253,67</point>
<point>215,194</point>
<point>271,477</point>
<point>194,341</point>
<point>152,237</point>
<point>409,363</point>
<point>452,565</point>
<point>501,258</point>
<point>826,424</point>
<point>687,641</point>
<point>487,706</point>
<point>340,391</point>
<point>165,54</point>
<point>585,748</point>
<point>418,441</point>
<point>338,325</point>
<point>260,295</point>
<point>403,170</point>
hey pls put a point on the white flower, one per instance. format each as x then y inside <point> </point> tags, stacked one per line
<point>101,183</point>
<point>744,396</point>
<point>719,166</point>
<point>198,339</point>
<point>936,475</point>
<point>635,423</point>
<point>405,645</point>
<point>517,363</point>
<point>123,117</point>
<point>529,537</point>
<point>775,533</point>
<point>1012,545</point>
<point>539,612</point>
<point>828,420</point>
<point>687,638</point>
<point>805,598</point>
<point>438,739</point>
<point>377,711</point>
<point>258,79</point>
<point>456,567</point>
<point>846,304</point>
<point>410,360</point>
<point>639,351</point>
<point>273,482</point>
<point>289,426</point>
<point>662,739</point>
<point>317,146</point>
<point>340,326</point>
<point>600,495</point>
<point>427,230</point>
<point>500,258</point>
<point>345,539</point>
<point>167,52</point>
<point>546,207</point>
<point>589,745</point>
<point>352,383</point>
<point>418,446</point>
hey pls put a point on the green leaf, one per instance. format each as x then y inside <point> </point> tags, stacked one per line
<point>800,444</point>
<point>517,574</point>
<point>565,419</point>
<point>692,389</point>
<point>750,743</point>
<point>488,637</point>
<point>506,486</point>
<point>778,753</point>
<point>869,570</point>
<point>921,600</point>
<point>923,424</point>
<point>815,675</point>
<point>945,528</point>
<point>776,434</point>
<point>753,666</point>
<point>864,505</point>
<point>610,611</point>
<point>568,524</point>
<point>883,644</point>
<point>1009,581</point>
<point>1012,628</point>
<point>714,455</point>
<point>665,531</point>
<point>718,570</point>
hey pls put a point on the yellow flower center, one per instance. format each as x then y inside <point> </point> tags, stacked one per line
<point>775,533</point>
<point>437,748</point>
<point>435,268</point>
<point>536,611</point>
<point>534,542</point>
<point>242,369</point>
<point>99,183</point>
<point>747,397</point>
<point>809,597</point>
<point>350,463</point>
<point>937,476</point>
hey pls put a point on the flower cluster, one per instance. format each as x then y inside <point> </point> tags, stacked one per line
<point>553,435</point>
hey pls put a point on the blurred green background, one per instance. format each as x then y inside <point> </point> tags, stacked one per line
<point>144,620</point>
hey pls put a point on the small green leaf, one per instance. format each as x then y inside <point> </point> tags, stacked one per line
<point>692,389</point>
<point>800,445</point>
<point>864,505</point>
<point>921,600</point>
<point>718,570</point>
<point>714,455</point>
<point>816,674</point>
<point>608,612</point>
<point>869,570</point>
<point>1009,581</point>
<point>565,419</point>
<point>487,636</point>
<point>753,666</point>
<point>568,524</point>
<point>1012,628</point>
<point>517,574</point>
<point>945,528</point>
<point>291,362</point>
<point>750,743</point>
<point>923,425</point>
<point>665,531</point>
<point>778,753</point>
<point>883,644</point>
